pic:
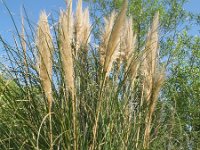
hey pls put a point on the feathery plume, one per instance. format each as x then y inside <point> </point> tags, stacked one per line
<point>86,29</point>
<point>109,22</point>
<point>82,28</point>
<point>152,44</point>
<point>159,80</point>
<point>78,26</point>
<point>150,56</point>
<point>153,77</point>
<point>115,39</point>
<point>69,10</point>
<point>69,4</point>
<point>110,51</point>
<point>128,47</point>
<point>129,40</point>
<point>45,47</point>
<point>65,37</point>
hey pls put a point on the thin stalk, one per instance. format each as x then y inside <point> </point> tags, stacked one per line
<point>139,119</point>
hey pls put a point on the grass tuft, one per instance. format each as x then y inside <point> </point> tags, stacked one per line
<point>81,96</point>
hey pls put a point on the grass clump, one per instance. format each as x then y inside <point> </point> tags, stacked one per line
<point>81,97</point>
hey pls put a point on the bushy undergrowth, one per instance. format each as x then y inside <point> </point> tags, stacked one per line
<point>64,92</point>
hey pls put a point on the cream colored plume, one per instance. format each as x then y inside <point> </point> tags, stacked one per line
<point>45,47</point>
<point>150,56</point>
<point>153,77</point>
<point>69,4</point>
<point>152,43</point>
<point>128,39</point>
<point>109,23</point>
<point>130,58</point>
<point>114,39</point>
<point>65,37</point>
<point>127,46</point>
<point>78,24</point>
<point>86,29</point>
<point>82,28</point>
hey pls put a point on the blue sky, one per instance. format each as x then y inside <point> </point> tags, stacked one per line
<point>33,8</point>
<point>193,6</point>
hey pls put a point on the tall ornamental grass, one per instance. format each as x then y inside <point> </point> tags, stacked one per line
<point>60,90</point>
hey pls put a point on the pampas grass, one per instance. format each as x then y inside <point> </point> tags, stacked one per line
<point>153,77</point>
<point>150,56</point>
<point>86,29</point>
<point>101,97</point>
<point>114,39</point>
<point>82,28</point>
<point>45,47</point>
<point>65,37</point>
<point>109,22</point>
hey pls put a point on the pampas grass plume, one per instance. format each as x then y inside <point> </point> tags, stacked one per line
<point>86,27</point>
<point>109,22</point>
<point>114,38</point>
<point>65,37</point>
<point>45,47</point>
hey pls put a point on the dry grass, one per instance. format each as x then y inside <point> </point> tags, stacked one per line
<point>109,22</point>
<point>114,39</point>
<point>107,85</point>
<point>65,37</point>
<point>82,28</point>
<point>118,41</point>
<point>153,77</point>
<point>45,47</point>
